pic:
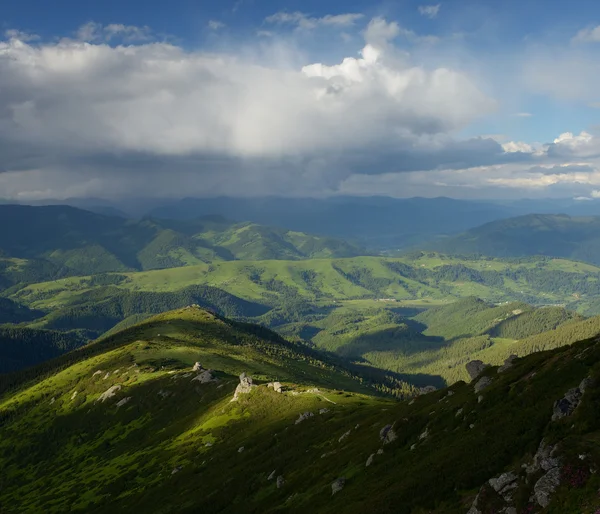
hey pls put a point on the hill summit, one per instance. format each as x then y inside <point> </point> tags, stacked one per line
<point>190,411</point>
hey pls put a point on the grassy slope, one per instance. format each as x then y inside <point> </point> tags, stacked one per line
<point>75,454</point>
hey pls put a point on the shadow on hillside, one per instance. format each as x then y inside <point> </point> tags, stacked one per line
<point>397,339</point>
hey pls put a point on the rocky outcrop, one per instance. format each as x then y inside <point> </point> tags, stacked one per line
<point>109,393</point>
<point>276,386</point>
<point>505,485</point>
<point>545,487</point>
<point>566,405</point>
<point>338,485</point>
<point>244,387</point>
<point>508,363</point>
<point>482,383</point>
<point>475,368</point>
<point>387,434</point>
<point>205,376</point>
<point>303,416</point>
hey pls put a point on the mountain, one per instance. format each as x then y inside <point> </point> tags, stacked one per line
<point>125,424</point>
<point>13,312</point>
<point>377,222</point>
<point>560,235</point>
<point>57,241</point>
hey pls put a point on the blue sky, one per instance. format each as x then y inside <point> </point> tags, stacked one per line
<point>457,98</point>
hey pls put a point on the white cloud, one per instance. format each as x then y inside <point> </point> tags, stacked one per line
<point>215,25</point>
<point>588,35</point>
<point>523,114</point>
<point>431,11</point>
<point>380,32</point>
<point>304,21</point>
<point>595,193</point>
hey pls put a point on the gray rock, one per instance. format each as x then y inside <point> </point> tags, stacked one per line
<point>459,412</point>
<point>197,367</point>
<point>240,449</point>
<point>480,398</point>
<point>508,363</point>
<point>504,480</point>
<point>99,372</point>
<point>475,368</point>
<point>545,487</point>
<point>387,434</point>
<point>482,383</point>
<point>122,402</point>
<point>272,475</point>
<point>244,387</point>
<point>323,411</point>
<point>380,451</point>
<point>510,510</point>
<point>276,386</point>
<point>204,377</point>
<point>424,434</point>
<point>280,481</point>
<point>303,416</point>
<point>585,383</point>
<point>474,510</point>
<point>545,458</point>
<point>566,405</point>
<point>338,485</point>
<point>343,436</point>
<point>370,460</point>
<point>109,393</point>
<point>176,470</point>
<point>427,389</point>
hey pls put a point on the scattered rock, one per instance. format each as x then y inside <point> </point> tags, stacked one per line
<point>427,389</point>
<point>303,416</point>
<point>413,446</point>
<point>380,451</point>
<point>482,383</point>
<point>424,434</point>
<point>471,426</point>
<point>276,386</point>
<point>545,458</point>
<point>109,393</point>
<point>205,377</point>
<point>323,411</point>
<point>508,363</point>
<point>116,371</point>
<point>176,470</point>
<point>387,434</point>
<point>122,402</point>
<point>545,487</point>
<point>280,481</point>
<point>208,444</point>
<point>99,372</point>
<point>475,368</point>
<point>107,375</point>
<point>480,398</point>
<point>197,367</point>
<point>337,485</point>
<point>244,387</point>
<point>500,483</point>
<point>343,436</point>
<point>510,510</point>
<point>272,475</point>
<point>163,394</point>
<point>240,449</point>
<point>73,395</point>
<point>459,412</point>
<point>370,460</point>
<point>52,400</point>
<point>566,405</point>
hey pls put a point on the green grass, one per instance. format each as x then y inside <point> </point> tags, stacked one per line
<point>62,452</point>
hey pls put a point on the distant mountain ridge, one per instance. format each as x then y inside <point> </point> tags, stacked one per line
<point>556,235</point>
<point>45,243</point>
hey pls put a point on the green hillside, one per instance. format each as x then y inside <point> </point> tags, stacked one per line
<point>125,425</point>
<point>46,243</point>
<point>535,234</point>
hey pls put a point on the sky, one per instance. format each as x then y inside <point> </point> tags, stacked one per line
<point>460,98</point>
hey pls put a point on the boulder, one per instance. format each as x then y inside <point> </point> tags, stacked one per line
<point>387,434</point>
<point>427,389</point>
<point>545,487</point>
<point>272,475</point>
<point>508,363</point>
<point>276,386</point>
<point>475,368</point>
<point>424,434</point>
<point>482,383</point>
<point>244,387</point>
<point>280,481</point>
<point>504,480</point>
<point>337,485</point>
<point>545,459</point>
<point>122,402</point>
<point>343,436</point>
<point>204,377</point>
<point>109,393</point>
<point>566,405</point>
<point>240,449</point>
<point>323,411</point>
<point>370,460</point>
<point>197,367</point>
<point>303,416</point>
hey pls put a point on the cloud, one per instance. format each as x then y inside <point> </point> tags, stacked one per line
<point>430,11</point>
<point>215,25</point>
<point>588,35</point>
<point>304,21</point>
<point>381,32</point>
<point>523,114</point>
<point>93,32</point>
